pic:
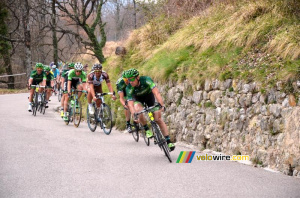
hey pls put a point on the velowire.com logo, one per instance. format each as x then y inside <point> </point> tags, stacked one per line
<point>187,157</point>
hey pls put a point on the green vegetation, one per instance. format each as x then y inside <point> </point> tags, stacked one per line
<point>249,40</point>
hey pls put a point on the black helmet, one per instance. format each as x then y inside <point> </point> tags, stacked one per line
<point>97,66</point>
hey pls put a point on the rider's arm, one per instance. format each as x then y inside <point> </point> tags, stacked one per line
<point>122,99</point>
<point>158,96</point>
<point>30,81</point>
<point>111,90</point>
<point>131,108</point>
<point>69,86</point>
<point>52,83</point>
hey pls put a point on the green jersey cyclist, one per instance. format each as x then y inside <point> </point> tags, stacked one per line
<point>144,90</point>
<point>121,88</point>
<point>37,76</point>
<point>77,80</point>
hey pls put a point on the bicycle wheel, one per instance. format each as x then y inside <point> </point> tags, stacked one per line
<point>105,115</point>
<point>77,113</point>
<point>91,119</point>
<point>59,95</point>
<point>69,112</point>
<point>135,132</point>
<point>34,104</point>
<point>143,133</point>
<point>43,107</point>
<point>161,141</point>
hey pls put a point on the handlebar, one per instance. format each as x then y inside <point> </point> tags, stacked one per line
<point>37,86</point>
<point>147,109</point>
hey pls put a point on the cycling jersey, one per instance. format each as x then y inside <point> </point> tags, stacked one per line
<point>143,89</point>
<point>49,77</point>
<point>55,72</point>
<point>121,86</point>
<point>72,76</point>
<point>97,82</point>
<point>92,79</point>
<point>38,77</point>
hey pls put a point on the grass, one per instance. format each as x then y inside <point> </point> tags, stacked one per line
<point>249,40</point>
<point>13,91</point>
<point>218,45</point>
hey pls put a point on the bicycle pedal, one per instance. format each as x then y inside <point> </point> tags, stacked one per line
<point>46,106</point>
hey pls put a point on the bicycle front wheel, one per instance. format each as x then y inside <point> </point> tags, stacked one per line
<point>135,132</point>
<point>91,120</point>
<point>143,132</point>
<point>35,104</point>
<point>105,115</point>
<point>59,95</point>
<point>77,113</point>
<point>161,141</point>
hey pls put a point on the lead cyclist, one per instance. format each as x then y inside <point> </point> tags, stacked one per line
<point>143,90</point>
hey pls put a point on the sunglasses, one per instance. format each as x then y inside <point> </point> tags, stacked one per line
<point>97,71</point>
<point>131,79</point>
<point>79,71</point>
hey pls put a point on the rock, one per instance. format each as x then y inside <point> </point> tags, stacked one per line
<point>197,97</point>
<point>120,51</point>
<point>292,100</point>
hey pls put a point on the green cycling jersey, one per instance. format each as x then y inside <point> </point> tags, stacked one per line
<point>49,77</point>
<point>144,88</point>
<point>72,76</point>
<point>38,77</point>
<point>121,85</point>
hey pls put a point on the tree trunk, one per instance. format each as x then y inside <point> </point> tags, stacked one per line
<point>134,13</point>
<point>27,38</point>
<point>54,37</point>
<point>7,62</point>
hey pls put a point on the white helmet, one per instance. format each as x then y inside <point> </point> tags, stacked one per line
<point>78,66</point>
<point>54,66</point>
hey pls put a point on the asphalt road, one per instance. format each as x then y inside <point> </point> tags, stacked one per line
<point>42,157</point>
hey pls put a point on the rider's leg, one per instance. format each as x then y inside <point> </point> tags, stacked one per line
<point>31,91</point>
<point>162,125</point>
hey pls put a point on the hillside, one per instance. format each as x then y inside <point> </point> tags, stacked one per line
<point>249,40</point>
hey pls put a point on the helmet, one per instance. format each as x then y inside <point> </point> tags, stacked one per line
<point>97,66</point>
<point>39,65</point>
<point>78,66</point>
<point>65,67</point>
<point>124,74</point>
<point>51,64</point>
<point>47,68</point>
<point>71,65</point>
<point>132,73</point>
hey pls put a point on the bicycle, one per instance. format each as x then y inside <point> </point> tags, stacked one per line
<point>74,110</point>
<point>35,103</point>
<point>42,104</point>
<point>157,134</point>
<point>101,116</point>
<point>59,95</point>
<point>137,130</point>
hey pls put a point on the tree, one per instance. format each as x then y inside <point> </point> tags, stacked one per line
<point>86,14</point>
<point>5,46</point>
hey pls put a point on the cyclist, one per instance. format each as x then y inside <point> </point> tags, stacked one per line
<point>49,83</point>
<point>64,81</point>
<point>143,90</point>
<point>121,88</point>
<point>37,76</point>
<point>77,80</point>
<point>95,79</point>
<point>56,76</point>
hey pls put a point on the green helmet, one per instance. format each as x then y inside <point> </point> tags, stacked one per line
<point>132,73</point>
<point>47,68</point>
<point>71,65</point>
<point>124,74</point>
<point>39,65</point>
